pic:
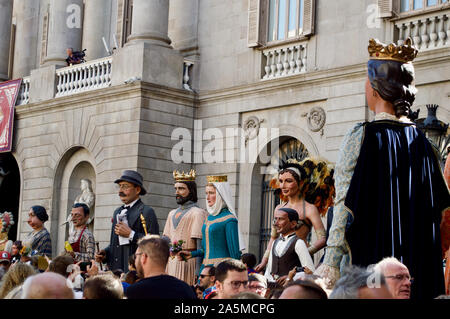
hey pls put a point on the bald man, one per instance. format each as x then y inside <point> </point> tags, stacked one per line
<point>48,285</point>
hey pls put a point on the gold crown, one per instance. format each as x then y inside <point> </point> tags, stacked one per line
<point>216,179</point>
<point>403,53</point>
<point>183,177</point>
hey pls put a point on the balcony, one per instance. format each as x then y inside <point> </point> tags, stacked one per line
<point>89,76</point>
<point>430,31</point>
<point>284,61</point>
<point>84,77</point>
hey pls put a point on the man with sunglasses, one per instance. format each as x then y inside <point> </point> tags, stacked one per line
<point>231,278</point>
<point>397,277</point>
<point>206,280</point>
<point>127,224</point>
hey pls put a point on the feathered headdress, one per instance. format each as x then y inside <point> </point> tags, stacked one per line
<point>316,181</point>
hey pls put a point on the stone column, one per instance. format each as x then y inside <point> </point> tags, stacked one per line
<point>65,30</point>
<point>6,7</point>
<point>96,25</point>
<point>183,21</point>
<point>25,47</point>
<point>150,22</point>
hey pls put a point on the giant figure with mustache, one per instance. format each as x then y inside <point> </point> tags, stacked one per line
<point>130,222</point>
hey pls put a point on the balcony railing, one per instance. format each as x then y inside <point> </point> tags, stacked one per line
<point>429,31</point>
<point>84,77</point>
<point>24,92</point>
<point>284,61</point>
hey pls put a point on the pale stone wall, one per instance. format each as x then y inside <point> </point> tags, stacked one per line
<point>129,126</point>
<point>118,129</point>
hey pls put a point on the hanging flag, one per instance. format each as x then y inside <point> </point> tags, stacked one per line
<point>8,94</point>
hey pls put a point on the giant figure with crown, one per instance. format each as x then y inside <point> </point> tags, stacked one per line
<point>184,227</point>
<point>390,191</point>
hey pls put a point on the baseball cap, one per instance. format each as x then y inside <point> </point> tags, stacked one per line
<point>5,256</point>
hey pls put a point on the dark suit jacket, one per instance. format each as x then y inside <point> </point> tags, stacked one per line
<point>117,255</point>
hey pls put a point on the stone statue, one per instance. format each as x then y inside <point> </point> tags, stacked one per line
<point>87,197</point>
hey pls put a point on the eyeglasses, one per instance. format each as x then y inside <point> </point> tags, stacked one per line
<point>256,287</point>
<point>401,278</point>
<point>236,284</point>
<point>123,187</point>
<point>203,276</point>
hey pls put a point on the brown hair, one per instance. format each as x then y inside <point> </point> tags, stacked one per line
<point>156,248</point>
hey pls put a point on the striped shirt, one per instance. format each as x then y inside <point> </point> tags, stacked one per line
<point>41,242</point>
<point>87,244</point>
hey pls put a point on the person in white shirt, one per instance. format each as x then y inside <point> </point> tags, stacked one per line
<point>288,251</point>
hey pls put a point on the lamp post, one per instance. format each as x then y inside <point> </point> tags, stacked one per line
<point>435,130</point>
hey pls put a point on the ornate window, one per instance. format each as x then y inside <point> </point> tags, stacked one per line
<point>272,22</point>
<point>426,22</point>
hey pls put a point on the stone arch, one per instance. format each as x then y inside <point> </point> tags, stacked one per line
<point>76,164</point>
<point>251,176</point>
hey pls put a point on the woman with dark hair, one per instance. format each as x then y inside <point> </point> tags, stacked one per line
<point>390,192</point>
<point>308,188</point>
<point>39,238</point>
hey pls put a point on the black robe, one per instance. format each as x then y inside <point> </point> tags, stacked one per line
<point>117,255</point>
<point>397,195</point>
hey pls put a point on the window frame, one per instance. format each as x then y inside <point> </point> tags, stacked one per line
<point>258,24</point>
<point>425,9</point>
<point>298,36</point>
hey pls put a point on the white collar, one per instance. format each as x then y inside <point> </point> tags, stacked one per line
<point>386,116</point>
<point>132,204</point>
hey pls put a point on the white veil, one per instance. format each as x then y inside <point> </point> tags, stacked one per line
<point>224,190</point>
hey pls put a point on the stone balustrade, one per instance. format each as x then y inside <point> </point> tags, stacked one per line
<point>24,92</point>
<point>187,65</point>
<point>284,61</point>
<point>84,77</point>
<point>429,31</point>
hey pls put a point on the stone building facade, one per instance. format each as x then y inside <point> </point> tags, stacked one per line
<point>224,86</point>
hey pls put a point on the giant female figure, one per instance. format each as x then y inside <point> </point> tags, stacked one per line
<point>390,191</point>
<point>221,238</point>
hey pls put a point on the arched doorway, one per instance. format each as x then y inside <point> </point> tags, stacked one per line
<point>289,148</point>
<point>10,190</point>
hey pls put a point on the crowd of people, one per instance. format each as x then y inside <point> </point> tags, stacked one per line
<point>386,199</point>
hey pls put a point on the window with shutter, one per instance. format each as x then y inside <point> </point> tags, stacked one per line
<point>124,17</point>
<point>271,22</point>
<point>44,37</point>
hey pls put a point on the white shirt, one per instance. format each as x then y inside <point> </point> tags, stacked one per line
<point>125,240</point>
<point>281,248</point>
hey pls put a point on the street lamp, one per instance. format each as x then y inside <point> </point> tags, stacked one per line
<point>435,130</point>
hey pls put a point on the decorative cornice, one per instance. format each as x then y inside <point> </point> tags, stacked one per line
<point>113,93</point>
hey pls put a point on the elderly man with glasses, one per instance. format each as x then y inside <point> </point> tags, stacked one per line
<point>397,276</point>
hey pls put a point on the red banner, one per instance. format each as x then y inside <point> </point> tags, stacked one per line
<point>8,94</point>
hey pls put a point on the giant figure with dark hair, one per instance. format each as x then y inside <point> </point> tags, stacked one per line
<point>185,223</point>
<point>390,191</point>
